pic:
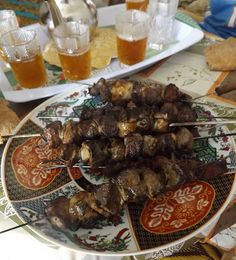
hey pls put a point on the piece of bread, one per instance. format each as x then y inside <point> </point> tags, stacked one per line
<point>198,18</point>
<point>8,119</point>
<point>222,56</point>
<point>103,49</point>
<point>198,6</point>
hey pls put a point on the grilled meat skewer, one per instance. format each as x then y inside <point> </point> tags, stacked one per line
<point>130,185</point>
<point>107,151</point>
<point>173,111</point>
<point>118,122</point>
<point>123,91</point>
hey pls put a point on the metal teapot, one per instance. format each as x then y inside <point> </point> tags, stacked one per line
<point>54,12</point>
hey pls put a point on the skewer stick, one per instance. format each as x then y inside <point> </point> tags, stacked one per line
<point>49,117</point>
<point>56,166</point>
<point>209,117</point>
<point>199,123</point>
<point>43,217</point>
<point>5,137</point>
<point>220,90</point>
<point>213,136</point>
<point>22,225</point>
<point>171,125</point>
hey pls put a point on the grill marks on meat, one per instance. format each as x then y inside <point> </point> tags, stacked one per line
<point>136,184</point>
<point>108,198</point>
<point>123,138</point>
<point>72,213</point>
<point>52,134</point>
<point>118,122</point>
<point>122,91</point>
<point>130,185</point>
<point>107,151</point>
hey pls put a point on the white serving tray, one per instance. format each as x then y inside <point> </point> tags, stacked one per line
<point>185,36</point>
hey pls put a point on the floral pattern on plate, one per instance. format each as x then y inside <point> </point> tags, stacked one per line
<point>179,209</point>
<point>27,165</point>
<point>102,239</point>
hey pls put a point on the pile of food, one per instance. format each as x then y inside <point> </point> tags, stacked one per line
<point>221,56</point>
<point>195,8</point>
<point>8,119</point>
<point>130,141</point>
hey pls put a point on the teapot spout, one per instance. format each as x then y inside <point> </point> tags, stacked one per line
<point>55,12</point>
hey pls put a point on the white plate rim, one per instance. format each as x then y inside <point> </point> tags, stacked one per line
<point>142,252</point>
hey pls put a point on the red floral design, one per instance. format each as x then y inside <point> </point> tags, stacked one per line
<point>26,164</point>
<point>178,210</point>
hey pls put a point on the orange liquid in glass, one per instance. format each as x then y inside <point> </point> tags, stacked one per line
<point>132,52</point>
<point>30,73</point>
<point>137,4</point>
<point>76,66</point>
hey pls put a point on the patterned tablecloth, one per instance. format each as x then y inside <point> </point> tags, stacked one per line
<point>189,71</point>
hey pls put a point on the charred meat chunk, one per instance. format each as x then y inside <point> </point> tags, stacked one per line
<point>133,145</point>
<point>147,93</point>
<point>131,186</point>
<point>95,153</point>
<point>171,93</point>
<point>69,154</point>
<point>51,133</point>
<point>108,197</point>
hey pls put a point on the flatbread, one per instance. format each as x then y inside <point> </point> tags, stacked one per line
<point>50,54</point>
<point>198,6</point>
<point>103,49</point>
<point>222,56</point>
<point>8,119</point>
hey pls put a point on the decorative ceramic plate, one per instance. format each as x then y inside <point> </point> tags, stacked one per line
<point>187,33</point>
<point>165,222</point>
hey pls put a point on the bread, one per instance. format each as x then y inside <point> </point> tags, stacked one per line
<point>222,56</point>
<point>199,6</point>
<point>8,119</point>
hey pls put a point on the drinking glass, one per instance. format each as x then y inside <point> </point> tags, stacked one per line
<point>162,24</point>
<point>8,21</point>
<point>132,27</point>
<point>72,42</point>
<point>137,4</point>
<point>22,51</point>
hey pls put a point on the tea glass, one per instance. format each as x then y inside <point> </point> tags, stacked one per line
<point>137,4</point>
<point>163,14</point>
<point>132,28</point>
<point>72,42</point>
<point>8,22</point>
<point>22,51</point>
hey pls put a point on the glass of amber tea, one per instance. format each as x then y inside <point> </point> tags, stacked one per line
<point>132,28</point>
<point>137,4</point>
<point>8,22</point>
<point>72,42</point>
<point>22,51</point>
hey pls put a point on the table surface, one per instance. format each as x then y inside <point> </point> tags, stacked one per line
<point>189,71</point>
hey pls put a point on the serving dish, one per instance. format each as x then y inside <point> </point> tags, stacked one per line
<point>185,36</point>
<point>29,188</point>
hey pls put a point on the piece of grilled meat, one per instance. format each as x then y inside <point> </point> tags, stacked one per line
<point>123,91</point>
<point>130,185</point>
<point>107,151</point>
<point>118,122</point>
